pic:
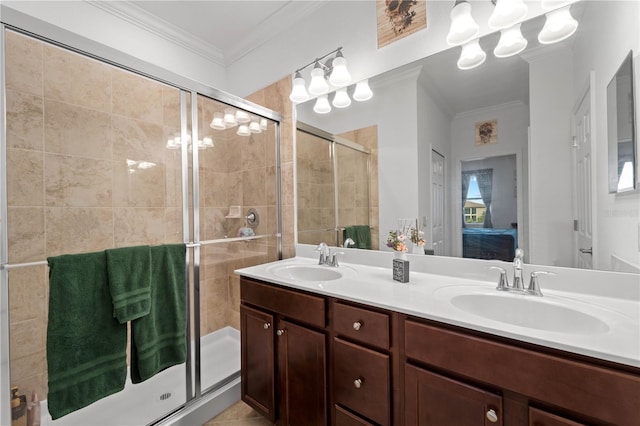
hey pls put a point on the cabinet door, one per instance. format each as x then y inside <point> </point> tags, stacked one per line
<point>301,375</point>
<point>434,400</point>
<point>542,418</point>
<point>257,361</point>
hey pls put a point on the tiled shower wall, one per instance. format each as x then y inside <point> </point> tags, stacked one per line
<point>88,169</point>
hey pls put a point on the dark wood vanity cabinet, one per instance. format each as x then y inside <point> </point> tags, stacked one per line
<point>315,360</point>
<point>284,354</point>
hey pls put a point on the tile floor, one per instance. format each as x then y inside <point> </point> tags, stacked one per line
<point>239,414</point>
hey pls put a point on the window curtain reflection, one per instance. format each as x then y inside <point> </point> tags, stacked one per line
<point>466,178</point>
<point>485,186</point>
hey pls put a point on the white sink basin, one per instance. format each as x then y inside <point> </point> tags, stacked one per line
<point>530,312</point>
<point>307,272</point>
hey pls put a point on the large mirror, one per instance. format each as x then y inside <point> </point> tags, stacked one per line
<point>544,108</point>
<point>621,129</point>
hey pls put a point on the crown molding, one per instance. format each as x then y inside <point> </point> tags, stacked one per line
<point>490,109</point>
<point>293,11</point>
<point>142,19</point>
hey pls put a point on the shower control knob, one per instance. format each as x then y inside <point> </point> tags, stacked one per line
<point>266,325</point>
<point>492,416</point>
<point>280,332</point>
<point>357,325</point>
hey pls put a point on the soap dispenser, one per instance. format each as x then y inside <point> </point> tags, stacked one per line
<point>18,404</point>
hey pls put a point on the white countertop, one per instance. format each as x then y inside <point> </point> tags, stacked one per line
<point>427,295</point>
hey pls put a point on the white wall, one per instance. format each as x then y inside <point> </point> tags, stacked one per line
<point>617,216</point>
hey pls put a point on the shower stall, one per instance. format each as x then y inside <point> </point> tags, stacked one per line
<point>101,151</point>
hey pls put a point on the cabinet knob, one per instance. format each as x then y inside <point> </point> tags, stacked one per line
<point>280,332</point>
<point>266,325</point>
<point>358,382</point>
<point>357,325</point>
<point>492,416</point>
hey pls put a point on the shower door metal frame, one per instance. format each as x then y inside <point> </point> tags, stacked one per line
<point>43,31</point>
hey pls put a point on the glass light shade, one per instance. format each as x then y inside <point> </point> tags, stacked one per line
<point>341,98</point>
<point>511,42</point>
<point>218,121</point>
<point>318,85</point>
<point>263,123</point>
<point>362,91</point>
<point>243,130</point>
<point>298,91</point>
<point>242,116</point>
<point>254,127</point>
<point>229,118</point>
<point>559,25</point>
<point>506,13</point>
<point>471,56</point>
<point>339,75</point>
<point>322,105</point>
<point>463,27</point>
<point>207,142</point>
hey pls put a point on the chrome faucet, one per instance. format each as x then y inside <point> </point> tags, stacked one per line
<point>324,250</point>
<point>517,270</point>
<point>348,242</point>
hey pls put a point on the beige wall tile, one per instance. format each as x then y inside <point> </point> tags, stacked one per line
<point>27,337</point>
<point>75,130</point>
<point>253,187</point>
<point>138,184</point>
<point>25,182</point>
<point>25,118</point>
<point>137,97</point>
<point>76,79</point>
<point>78,230</point>
<point>28,293</point>
<point>23,56</point>
<point>137,140</point>
<point>26,234</point>
<point>77,182</point>
<point>138,225</point>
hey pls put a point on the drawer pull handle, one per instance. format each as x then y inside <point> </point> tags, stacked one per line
<point>492,416</point>
<point>357,325</point>
<point>280,332</point>
<point>358,382</point>
<point>266,325</point>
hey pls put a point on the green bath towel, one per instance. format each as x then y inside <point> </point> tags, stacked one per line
<point>158,340</point>
<point>129,270</point>
<point>360,234</point>
<point>86,345</point>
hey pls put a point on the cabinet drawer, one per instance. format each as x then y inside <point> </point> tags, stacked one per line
<point>542,418</point>
<point>291,304</point>
<point>360,324</point>
<point>594,391</point>
<point>361,380</point>
<point>345,418</point>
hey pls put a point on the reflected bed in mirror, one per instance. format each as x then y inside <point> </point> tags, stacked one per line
<point>621,129</point>
<point>429,108</point>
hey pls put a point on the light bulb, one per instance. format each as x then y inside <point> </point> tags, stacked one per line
<point>298,91</point>
<point>511,42</point>
<point>471,56</point>
<point>463,27</point>
<point>318,85</point>
<point>362,91</point>
<point>506,13</point>
<point>559,25</point>
<point>341,98</point>
<point>339,75</point>
<point>322,105</point>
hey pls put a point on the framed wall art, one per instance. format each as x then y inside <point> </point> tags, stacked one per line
<point>486,132</point>
<point>399,18</point>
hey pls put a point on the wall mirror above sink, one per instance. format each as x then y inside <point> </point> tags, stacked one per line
<point>549,108</point>
<point>621,129</point>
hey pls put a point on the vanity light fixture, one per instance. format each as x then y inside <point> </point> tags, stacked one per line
<point>242,116</point>
<point>229,118</point>
<point>362,91</point>
<point>507,13</point>
<point>176,142</point>
<point>511,42</point>
<point>243,130</point>
<point>254,126</point>
<point>340,76</point>
<point>299,91</point>
<point>471,56</point>
<point>341,98</point>
<point>322,105</point>
<point>218,121</point>
<point>463,27</point>
<point>318,85</point>
<point>330,68</point>
<point>559,25</point>
<point>263,124</point>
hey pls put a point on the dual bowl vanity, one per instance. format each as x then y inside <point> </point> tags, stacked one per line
<point>347,345</point>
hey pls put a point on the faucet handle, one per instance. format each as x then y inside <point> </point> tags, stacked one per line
<point>534,287</point>
<point>503,281</point>
<point>334,258</point>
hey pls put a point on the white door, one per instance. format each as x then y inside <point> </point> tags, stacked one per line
<point>583,184</point>
<point>437,203</point>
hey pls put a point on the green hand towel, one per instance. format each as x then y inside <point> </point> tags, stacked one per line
<point>158,340</point>
<point>360,234</point>
<point>129,270</point>
<point>86,346</point>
